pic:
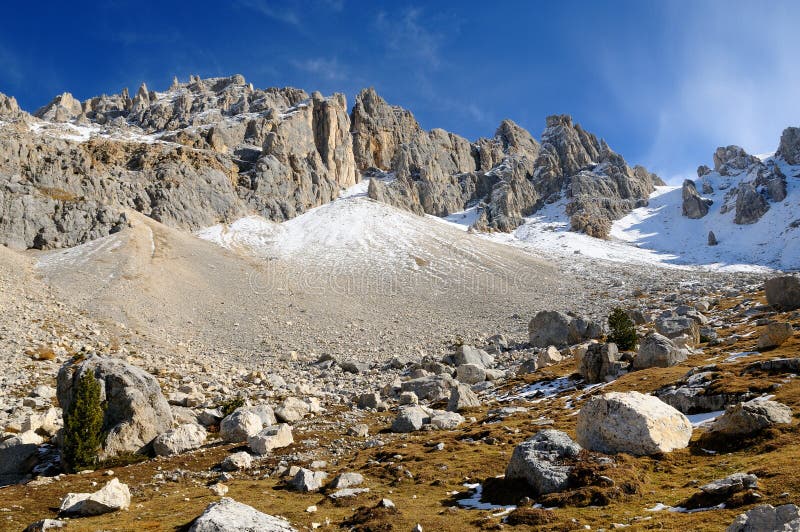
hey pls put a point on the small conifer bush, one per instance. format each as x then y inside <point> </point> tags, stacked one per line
<point>83,425</point>
<point>623,330</point>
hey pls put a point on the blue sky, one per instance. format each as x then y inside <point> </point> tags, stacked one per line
<point>663,82</point>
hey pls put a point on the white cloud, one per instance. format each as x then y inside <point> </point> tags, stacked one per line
<point>729,75</point>
<point>325,68</point>
<point>270,9</point>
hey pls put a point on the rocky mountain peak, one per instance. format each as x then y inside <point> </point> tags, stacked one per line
<point>8,106</point>
<point>729,160</point>
<point>516,140</point>
<point>789,147</point>
<point>62,108</point>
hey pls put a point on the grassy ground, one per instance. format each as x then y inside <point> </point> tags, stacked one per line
<point>421,480</point>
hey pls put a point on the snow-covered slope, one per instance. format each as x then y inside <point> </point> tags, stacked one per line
<point>660,234</point>
<point>355,232</point>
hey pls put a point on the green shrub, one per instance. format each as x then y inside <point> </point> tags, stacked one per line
<point>623,330</point>
<point>83,425</point>
<point>229,407</point>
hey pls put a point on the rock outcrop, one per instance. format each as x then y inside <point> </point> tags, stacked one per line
<point>789,147</point>
<point>202,152</point>
<point>694,206</point>
<point>136,411</point>
<point>508,177</point>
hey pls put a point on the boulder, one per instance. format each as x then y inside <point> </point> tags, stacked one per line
<point>18,456</point>
<point>470,373</point>
<point>239,426</point>
<point>675,326</point>
<point>227,515</point>
<point>264,412</point>
<point>731,484</point>
<point>346,480</point>
<point>43,525</point>
<point>292,409</point>
<point>765,517</point>
<point>549,327</point>
<point>112,497</point>
<point>136,410</point>
<point>466,354</point>
<point>443,420</point>
<point>632,423</point>
<point>410,419</point>
<point>540,461</point>
<point>549,356</point>
<point>306,480</point>
<point>783,292</point>
<point>179,440</point>
<point>712,239</point>
<point>657,351</point>
<point>430,388</point>
<point>599,362</point>
<point>237,461</point>
<point>693,205</point>
<point>462,398</point>
<point>750,417</point>
<point>370,400</point>
<point>774,334</point>
<point>273,437</point>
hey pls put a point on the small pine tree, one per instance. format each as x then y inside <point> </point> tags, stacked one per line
<point>623,330</point>
<point>83,425</point>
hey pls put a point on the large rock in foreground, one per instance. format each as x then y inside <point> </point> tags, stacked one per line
<point>228,515</point>
<point>632,423</point>
<point>539,461</point>
<point>112,497</point>
<point>783,292</point>
<point>136,410</point>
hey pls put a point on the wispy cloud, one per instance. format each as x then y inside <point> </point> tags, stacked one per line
<point>406,35</point>
<point>10,68</point>
<point>272,10</point>
<point>731,78</point>
<point>324,68</point>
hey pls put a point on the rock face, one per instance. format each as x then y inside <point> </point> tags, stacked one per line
<point>784,518</point>
<point>631,423</point>
<point>556,328</point>
<point>179,440</point>
<point>227,150</point>
<point>112,497</point>
<point>539,461</point>
<point>750,205</point>
<point>227,515</point>
<point>751,417</point>
<point>783,292</point>
<point>509,176</point>
<point>789,147</point>
<point>136,411</point>
<point>657,351</point>
<point>693,205</point>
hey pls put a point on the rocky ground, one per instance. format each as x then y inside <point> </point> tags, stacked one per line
<point>348,404</point>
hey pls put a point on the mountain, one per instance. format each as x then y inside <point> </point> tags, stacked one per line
<point>214,150</point>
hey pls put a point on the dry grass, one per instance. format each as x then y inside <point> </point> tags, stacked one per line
<point>420,480</point>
